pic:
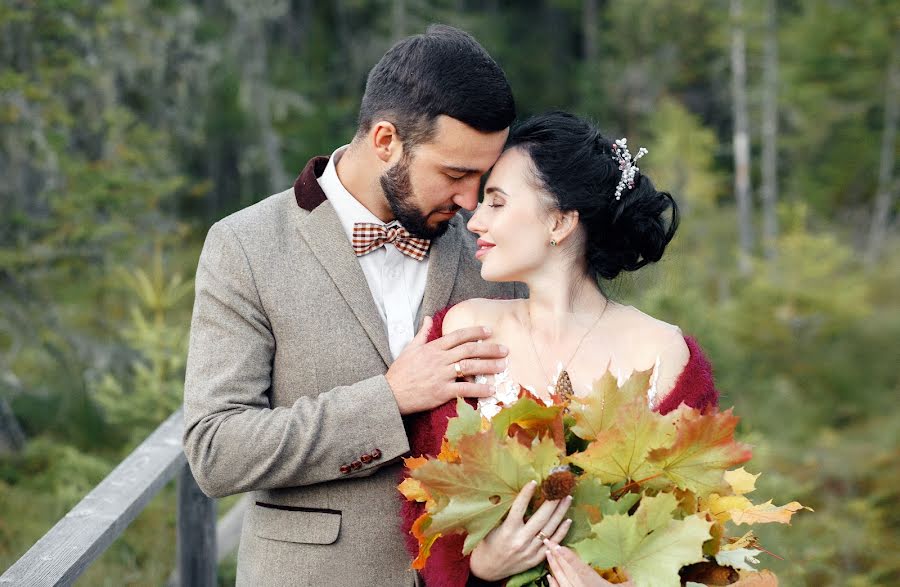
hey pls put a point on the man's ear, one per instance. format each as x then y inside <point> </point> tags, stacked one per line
<point>563,225</point>
<point>385,141</point>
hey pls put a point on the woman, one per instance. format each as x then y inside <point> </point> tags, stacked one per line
<point>563,209</point>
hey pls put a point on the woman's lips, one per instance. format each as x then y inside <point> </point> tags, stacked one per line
<point>483,248</point>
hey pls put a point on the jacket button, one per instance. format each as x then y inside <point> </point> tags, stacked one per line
<point>345,469</point>
<point>355,465</point>
<point>366,459</point>
<point>376,454</point>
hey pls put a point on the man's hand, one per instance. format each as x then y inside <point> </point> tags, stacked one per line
<point>425,376</point>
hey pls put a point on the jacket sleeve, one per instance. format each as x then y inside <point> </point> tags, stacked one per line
<point>234,440</point>
<point>695,385</point>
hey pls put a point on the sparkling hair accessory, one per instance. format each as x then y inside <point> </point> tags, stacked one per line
<point>626,165</point>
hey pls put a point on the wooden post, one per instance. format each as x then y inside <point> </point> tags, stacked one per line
<point>196,534</point>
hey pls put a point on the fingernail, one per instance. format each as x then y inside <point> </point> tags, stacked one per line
<point>506,363</point>
<point>503,349</point>
<point>533,482</point>
<point>487,330</point>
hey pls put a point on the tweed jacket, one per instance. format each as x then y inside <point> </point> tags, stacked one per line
<point>285,394</point>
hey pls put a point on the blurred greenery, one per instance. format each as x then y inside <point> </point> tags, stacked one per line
<point>129,126</point>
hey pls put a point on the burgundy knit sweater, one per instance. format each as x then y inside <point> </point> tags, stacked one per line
<point>447,567</point>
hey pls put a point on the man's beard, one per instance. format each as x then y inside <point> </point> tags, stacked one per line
<point>397,189</point>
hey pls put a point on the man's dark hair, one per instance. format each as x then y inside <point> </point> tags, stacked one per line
<point>444,71</point>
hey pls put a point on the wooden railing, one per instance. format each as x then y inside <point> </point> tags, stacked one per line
<point>64,552</point>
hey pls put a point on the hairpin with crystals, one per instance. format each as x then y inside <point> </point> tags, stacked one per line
<point>626,165</point>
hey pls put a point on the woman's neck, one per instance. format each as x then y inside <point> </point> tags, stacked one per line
<point>562,302</point>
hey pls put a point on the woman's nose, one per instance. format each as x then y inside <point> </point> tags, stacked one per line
<point>475,224</point>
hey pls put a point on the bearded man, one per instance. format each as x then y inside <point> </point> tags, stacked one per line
<point>304,354</point>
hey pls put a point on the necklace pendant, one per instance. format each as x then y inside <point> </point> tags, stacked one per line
<point>563,388</point>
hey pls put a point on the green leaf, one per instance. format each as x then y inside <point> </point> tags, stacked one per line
<point>619,454</point>
<point>466,422</point>
<point>703,450</point>
<point>527,578</point>
<point>650,546</point>
<point>527,413</point>
<point>474,494</point>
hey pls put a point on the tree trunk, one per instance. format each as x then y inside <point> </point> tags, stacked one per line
<point>398,20</point>
<point>770,133</point>
<point>741,140</point>
<point>589,30</point>
<point>887,188</point>
<point>12,439</point>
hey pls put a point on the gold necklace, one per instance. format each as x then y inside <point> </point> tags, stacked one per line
<point>563,386</point>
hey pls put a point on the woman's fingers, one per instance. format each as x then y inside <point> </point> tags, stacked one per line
<point>548,516</point>
<point>539,518</point>
<point>520,504</point>
<point>557,572</point>
<point>556,518</point>
<point>561,532</point>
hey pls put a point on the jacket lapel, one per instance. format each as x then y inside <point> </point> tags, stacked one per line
<point>322,231</point>
<point>443,265</point>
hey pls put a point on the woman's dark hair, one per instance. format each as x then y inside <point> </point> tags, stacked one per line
<point>574,163</point>
<point>444,71</point>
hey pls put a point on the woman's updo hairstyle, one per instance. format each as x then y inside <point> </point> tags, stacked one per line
<point>575,164</point>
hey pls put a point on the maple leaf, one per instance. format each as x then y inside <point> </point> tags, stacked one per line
<point>740,559</point>
<point>597,412</point>
<point>528,415</point>
<point>425,542</point>
<point>413,490</point>
<point>741,481</point>
<point>721,507</point>
<point>619,454</point>
<point>704,448</point>
<point>766,513</point>
<point>475,494</point>
<point>650,546</point>
<point>467,422</point>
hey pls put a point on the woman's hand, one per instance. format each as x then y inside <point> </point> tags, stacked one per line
<point>515,545</point>
<point>567,570</point>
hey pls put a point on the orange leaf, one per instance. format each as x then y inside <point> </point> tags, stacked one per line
<point>704,448</point>
<point>425,543</point>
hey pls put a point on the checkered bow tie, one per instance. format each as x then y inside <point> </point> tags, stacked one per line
<point>368,236</point>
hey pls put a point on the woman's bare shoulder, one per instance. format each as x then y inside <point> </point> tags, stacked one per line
<point>478,312</point>
<point>652,336</point>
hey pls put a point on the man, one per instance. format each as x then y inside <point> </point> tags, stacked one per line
<point>303,358</point>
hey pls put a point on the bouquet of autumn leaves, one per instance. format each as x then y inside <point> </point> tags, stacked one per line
<point>655,497</point>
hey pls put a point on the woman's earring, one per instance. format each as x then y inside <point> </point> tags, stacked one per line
<point>553,242</point>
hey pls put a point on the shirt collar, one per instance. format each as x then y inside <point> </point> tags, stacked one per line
<point>348,209</point>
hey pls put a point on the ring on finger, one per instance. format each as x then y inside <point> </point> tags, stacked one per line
<point>542,536</point>
<point>457,368</point>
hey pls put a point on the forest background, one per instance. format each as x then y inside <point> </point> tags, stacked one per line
<point>127,127</point>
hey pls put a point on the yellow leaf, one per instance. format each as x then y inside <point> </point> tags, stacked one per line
<point>721,506</point>
<point>413,490</point>
<point>741,481</point>
<point>766,513</point>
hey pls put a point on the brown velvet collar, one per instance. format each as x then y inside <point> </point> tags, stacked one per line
<point>307,190</point>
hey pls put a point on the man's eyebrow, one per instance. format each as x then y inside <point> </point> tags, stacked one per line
<point>459,169</point>
<point>493,188</point>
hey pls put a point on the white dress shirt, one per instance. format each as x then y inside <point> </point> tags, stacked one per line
<point>396,281</point>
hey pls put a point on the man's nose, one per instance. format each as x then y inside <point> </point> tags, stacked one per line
<point>468,197</point>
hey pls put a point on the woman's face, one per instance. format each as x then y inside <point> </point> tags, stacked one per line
<point>512,223</point>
